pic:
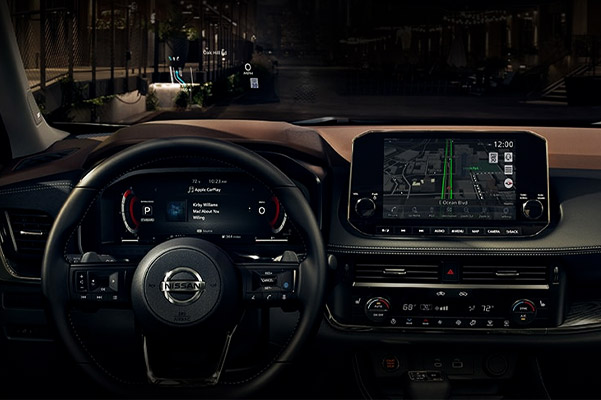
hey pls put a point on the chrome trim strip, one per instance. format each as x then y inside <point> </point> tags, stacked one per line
<point>12,272</point>
<point>447,286</point>
<point>4,261</point>
<point>31,233</point>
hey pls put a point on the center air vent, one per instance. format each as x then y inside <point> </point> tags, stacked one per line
<point>411,273</point>
<point>485,274</point>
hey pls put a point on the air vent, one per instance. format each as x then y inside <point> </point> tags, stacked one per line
<point>42,159</point>
<point>28,231</point>
<point>486,274</point>
<point>410,273</point>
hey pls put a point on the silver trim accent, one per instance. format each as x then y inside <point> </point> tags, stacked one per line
<point>31,233</point>
<point>394,271</point>
<point>446,286</point>
<point>4,261</point>
<point>507,274</point>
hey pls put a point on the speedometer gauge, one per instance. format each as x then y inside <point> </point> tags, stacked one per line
<point>130,211</point>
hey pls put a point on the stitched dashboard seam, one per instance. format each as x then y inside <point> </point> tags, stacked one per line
<point>35,188</point>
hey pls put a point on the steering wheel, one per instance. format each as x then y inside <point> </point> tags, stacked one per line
<point>185,289</point>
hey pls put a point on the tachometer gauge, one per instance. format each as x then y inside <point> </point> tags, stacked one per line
<point>130,211</point>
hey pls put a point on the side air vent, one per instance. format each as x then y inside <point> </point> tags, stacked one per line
<point>396,273</point>
<point>28,231</point>
<point>486,274</point>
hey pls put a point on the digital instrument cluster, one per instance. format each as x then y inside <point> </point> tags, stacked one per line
<point>217,204</point>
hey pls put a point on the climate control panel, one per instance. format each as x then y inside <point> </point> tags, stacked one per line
<point>453,306</point>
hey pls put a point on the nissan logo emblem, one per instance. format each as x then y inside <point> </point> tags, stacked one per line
<point>182,286</point>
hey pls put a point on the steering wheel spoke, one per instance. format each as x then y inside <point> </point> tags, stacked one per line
<point>199,359</point>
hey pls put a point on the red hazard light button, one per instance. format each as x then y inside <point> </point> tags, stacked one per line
<point>450,273</point>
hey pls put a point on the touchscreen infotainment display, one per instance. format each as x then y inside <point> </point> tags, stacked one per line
<point>449,183</point>
<point>449,178</point>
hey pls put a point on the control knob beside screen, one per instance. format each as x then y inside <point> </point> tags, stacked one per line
<point>533,209</point>
<point>365,207</point>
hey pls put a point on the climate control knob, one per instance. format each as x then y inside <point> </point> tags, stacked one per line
<point>523,312</point>
<point>365,207</point>
<point>533,209</point>
<point>377,308</point>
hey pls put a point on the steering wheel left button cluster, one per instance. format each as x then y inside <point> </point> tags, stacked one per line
<point>98,278</point>
<point>100,283</point>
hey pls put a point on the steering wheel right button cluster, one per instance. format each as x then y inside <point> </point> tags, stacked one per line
<point>523,312</point>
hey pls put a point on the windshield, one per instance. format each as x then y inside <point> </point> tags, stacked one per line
<point>349,61</point>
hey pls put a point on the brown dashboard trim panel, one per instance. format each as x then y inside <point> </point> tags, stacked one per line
<point>569,148</point>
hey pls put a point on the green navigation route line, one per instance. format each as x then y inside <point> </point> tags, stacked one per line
<point>448,161</point>
<point>451,169</point>
<point>444,172</point>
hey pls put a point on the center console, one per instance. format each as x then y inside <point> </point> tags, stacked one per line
<point>411,188</point>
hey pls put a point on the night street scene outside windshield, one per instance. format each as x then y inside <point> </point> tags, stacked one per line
<point>314,62</point>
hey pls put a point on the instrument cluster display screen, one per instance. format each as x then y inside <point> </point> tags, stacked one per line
<point>449,178</point>
<point>217,204</point>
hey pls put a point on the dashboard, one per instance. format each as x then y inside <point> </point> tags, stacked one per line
<point>433,234</point>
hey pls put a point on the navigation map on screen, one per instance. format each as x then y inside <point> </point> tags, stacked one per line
<point>449,179</point>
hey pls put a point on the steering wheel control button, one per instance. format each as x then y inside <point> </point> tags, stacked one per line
<point>377,308</point>
<point>81,279</point>
<point>533,209</point>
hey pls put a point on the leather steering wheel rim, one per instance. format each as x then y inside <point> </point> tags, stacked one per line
<point>56,269</point>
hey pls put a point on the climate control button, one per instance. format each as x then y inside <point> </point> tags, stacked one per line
<point>523,312</point>
<point>377,308</point>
